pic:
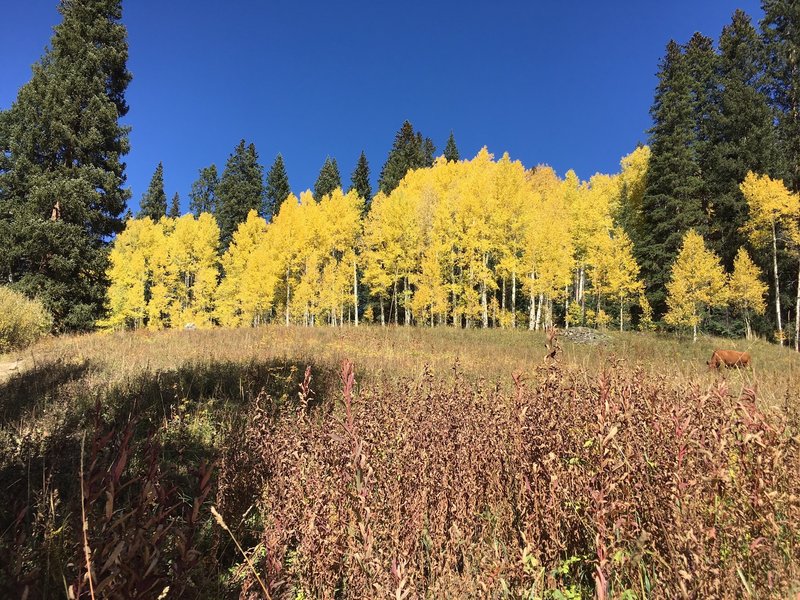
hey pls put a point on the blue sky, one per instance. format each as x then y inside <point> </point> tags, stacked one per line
<point>565,83</point>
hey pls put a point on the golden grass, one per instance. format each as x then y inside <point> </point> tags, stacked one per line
<point>404,352</point>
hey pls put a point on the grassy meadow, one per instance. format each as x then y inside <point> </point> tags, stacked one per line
<point>397,462</point>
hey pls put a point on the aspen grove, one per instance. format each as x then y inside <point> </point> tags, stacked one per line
<point>470,243</point>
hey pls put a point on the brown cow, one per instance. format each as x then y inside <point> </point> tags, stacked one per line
<point>729,358</point>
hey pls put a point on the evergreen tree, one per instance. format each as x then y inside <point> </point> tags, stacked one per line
<point>203,196</point>
<point>450,150</point>
<point>61,173</point>
<point>360,180</point>
<point>672,203</point>
<point>701,63</point>
<point>781,29</point>
<point>428,150</point>
<point>240,190</point>
<point>277,185</point>
<point>154,201</point>
<point>409,151</point>
<point>328,180</point>
<point>742,133</point>
<point>175,207</point>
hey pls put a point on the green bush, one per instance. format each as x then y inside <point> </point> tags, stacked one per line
<point>22,321</point>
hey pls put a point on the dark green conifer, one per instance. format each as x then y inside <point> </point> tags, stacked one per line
<point>62,178</point>
<point>328,180</point>
<point>203,195</point>
<point>175,207</point>
<point>277,185</point>
<point>360,180</point>
<point>672,201</point>
<point>240,190</point>
<point>451,150</point>
<point>154,201</point>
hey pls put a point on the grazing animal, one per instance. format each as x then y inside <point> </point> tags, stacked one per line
<point>729,358</point>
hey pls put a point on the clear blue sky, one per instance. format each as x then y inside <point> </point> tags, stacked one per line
<point>565,83</point>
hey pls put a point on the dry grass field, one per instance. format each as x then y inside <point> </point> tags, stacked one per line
<point>404,463</point>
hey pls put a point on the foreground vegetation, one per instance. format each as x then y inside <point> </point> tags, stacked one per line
<point>621,469</point>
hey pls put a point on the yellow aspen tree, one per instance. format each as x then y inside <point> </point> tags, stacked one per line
<point>511,195</point>
<point>746,290</point>
<point>289,233</point>
<point>162,290</point>
<point>307,303</point>
<point>549,252</point>
<point>697,283</point>
<point>194,266</point>
<point>632,181</point>
<point>773,212</point>
<point>477,236</point>
<point>260,278</point>
<point>614,271</point>
<point>376,269</point>
<point>230,311</point>
<point>129,275</point>
<point>340,217</point>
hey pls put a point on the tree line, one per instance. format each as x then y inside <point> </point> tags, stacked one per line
<point>469,243</point>
<point>721,111</point>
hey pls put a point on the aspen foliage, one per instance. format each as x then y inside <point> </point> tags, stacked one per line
<point>773,220</point>
<point>468,243</point>
<point>698,282</point>
<point>746,290</point>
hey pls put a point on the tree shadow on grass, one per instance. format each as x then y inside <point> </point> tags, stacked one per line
<point>49,412</point>
<point>25,392</point>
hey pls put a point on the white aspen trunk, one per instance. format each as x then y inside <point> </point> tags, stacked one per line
<point>513,299</point>
<point>383,320</point>
<point>694,333</point>
<point>797,314</point>
<point>777,283</point>
<point>406,311</point>
<point>484,306</point>
<point>620,315</point>
<point>747,331</point>
<point>532,314</point>
<point>355,293</point>
<point>566,306</point>
<point>394,302</point>
<point>539,312</point>
<point>503,297</point>
<point>288,291</point>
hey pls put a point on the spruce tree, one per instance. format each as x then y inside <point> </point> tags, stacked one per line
<point>451,150</point>
<point>175,207</point>
<point>61,169</point>
<point>203,195</point>
<point>240,190</point>
<point>742,133</point>
<point>328,180</point>
<point>360,180</point>
<point>277,185</point>
<point>781,29</point>
<point>154,201</point>
<point>672,202</point>
<point>409,151</point>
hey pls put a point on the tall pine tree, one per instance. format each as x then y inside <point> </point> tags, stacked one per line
<point>154,201</point>
<point>175,207</point>
<point>328,179</point>
<point>240,190</point>
<point>360,180</point>
<point>203,195</point>
<point>277,185</point>
<point>781,29</point>
<point>409,151</point>
<point>61,169</point>
<point>451,150</point>
<point>742,133</point>
<point>672,202</point>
